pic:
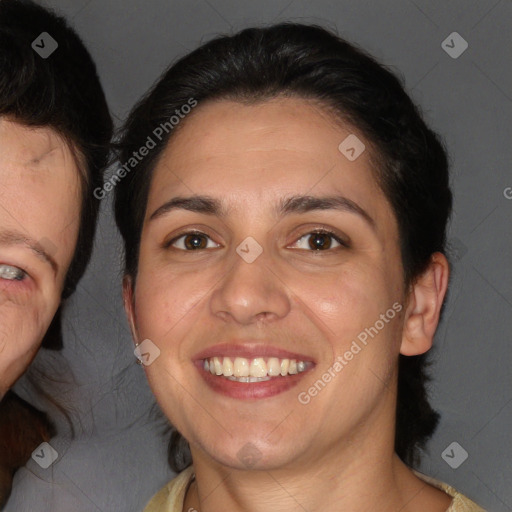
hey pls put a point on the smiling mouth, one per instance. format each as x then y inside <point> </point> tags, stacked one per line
<point>258,369</point>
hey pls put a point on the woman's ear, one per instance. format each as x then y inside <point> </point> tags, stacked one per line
<point>424,307</point>
<point>128,300</point>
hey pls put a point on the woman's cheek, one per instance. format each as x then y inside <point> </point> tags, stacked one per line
<point>353,295</point>
<point>160,303</point>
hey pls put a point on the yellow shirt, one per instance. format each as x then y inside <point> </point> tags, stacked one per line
<point>172,496</point>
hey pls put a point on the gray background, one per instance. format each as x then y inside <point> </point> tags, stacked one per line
<point>117,460</point>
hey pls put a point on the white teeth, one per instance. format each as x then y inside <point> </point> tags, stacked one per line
<point>218,366</point>
<point>253,370</point>
<point>241,367</point>
<point>285,364</point>
<point>227,367</point>
<point>273,367</point>
<point>258,368</point>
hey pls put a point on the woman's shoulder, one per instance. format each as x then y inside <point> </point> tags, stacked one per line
<point>460,503</point>
<point>171,497</point>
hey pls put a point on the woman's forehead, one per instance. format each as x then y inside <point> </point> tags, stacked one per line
<point>287,143</point>
<point>278,123</point>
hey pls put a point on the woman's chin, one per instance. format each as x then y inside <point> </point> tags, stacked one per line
<point>251,453</point>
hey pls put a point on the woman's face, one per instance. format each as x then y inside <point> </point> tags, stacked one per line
<point>256,288</point>
<point>39,219</point>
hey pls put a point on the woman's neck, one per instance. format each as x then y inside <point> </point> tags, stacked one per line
<point>372,480</point>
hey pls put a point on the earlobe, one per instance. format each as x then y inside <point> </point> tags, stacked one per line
<point>128,301</point>
<point>425,301</point>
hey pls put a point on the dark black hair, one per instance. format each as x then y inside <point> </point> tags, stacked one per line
<point>62,92</point>
<point>309,62</point>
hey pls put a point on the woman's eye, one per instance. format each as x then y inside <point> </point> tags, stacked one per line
<point>318,241</point>
<point>11,273</point>
<point>192,242</point>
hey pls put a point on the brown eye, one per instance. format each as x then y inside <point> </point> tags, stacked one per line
<point>191,242</point>
<point>319,241</point>
<point>195,241</point>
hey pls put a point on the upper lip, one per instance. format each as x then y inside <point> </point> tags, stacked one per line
<point>249,349</point>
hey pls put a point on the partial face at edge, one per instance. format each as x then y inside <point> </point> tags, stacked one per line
<point>40,208</point>
<point>195,292</point>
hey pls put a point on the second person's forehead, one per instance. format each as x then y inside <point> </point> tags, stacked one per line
<point>31,148</point>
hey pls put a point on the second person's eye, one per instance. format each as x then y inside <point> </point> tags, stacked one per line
<point>10,273</point>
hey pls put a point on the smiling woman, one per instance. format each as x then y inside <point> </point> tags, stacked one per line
<point>268,237</point>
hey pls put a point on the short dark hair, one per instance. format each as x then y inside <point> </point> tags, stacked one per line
<point>62,92</point>
<point>310,62</point>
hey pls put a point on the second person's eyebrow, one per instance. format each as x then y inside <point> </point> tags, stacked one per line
<point>9,238</point>
<point>294,204</point>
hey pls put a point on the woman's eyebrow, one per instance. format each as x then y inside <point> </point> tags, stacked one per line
<point>304,204</point>
<point>198,204</point>
<point>287,206</point>
<point>16,238</point>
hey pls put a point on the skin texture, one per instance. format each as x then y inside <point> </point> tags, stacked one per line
<point>336,452</point>
<point>39,200</point>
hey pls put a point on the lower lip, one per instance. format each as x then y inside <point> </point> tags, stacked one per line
<point>249,390</point>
